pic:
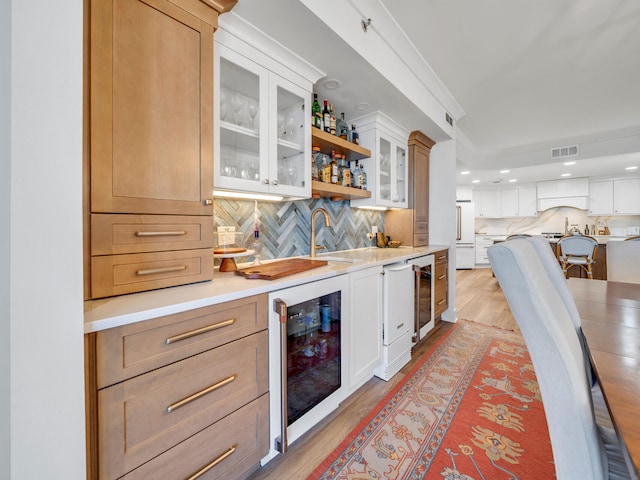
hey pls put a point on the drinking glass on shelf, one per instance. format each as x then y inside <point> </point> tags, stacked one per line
<point>224,105</point>
<point>236,104</point>
<point>253,111</point>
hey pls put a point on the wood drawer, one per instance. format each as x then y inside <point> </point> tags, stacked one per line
<point>145,416</point>
<point>246,430</point>
<point>421,240</point>
<point>137,272</point>
<point>134,349</point>
<point>120,234</point>
<point>421,227</point>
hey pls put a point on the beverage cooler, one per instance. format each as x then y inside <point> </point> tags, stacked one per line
<point>307,357</point>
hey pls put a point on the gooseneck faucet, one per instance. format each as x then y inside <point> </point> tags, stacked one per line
<point>566,225</point>
<point>327,223</point>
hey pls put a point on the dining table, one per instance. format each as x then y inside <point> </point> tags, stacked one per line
<point>610,315</point>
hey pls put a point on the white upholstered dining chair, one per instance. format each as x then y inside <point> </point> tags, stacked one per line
<point>583,450</point>
<point>577,250</point>
<point>623,261</point>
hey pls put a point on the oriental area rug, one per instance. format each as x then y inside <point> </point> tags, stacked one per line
<point>469,410</point>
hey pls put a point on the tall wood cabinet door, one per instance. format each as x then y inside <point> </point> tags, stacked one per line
<point>421,184</point>
<point>151,108</point>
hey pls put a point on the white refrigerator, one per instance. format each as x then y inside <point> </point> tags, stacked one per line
<point>465,235</point>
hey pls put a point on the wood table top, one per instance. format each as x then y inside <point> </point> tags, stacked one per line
<point>610,313</point>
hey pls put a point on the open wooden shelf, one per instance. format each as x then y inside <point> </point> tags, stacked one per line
<point>337,192</point>
<point>328,142</point>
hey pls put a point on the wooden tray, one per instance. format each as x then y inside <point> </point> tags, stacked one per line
<point>281,268</point>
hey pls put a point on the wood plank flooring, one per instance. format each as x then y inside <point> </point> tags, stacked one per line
<point>478,298</point>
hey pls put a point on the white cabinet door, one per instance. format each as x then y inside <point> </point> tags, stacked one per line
<point>601,198</point>
<point>626,196</point>
<point>509,203</point>
<point>262,133</point>
<point>487,203</point>
<point>527,204</point>
<point>366,324</point>
<point>387,169</point>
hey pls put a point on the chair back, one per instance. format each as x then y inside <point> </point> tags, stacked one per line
<point>558,359</point>
<point>623,261</point>
<point>578,245</point>
<point>632,239</point>
<point>518,235</point>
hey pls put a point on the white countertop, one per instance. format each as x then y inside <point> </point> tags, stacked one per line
<point>125,309</point>
<point>601,239</point>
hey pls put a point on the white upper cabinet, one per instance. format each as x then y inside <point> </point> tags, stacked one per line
<point>601,197</point>
<point>262,116</point>
<point>387,169</point>
<point>488,203</point>
<point>505,203</point>
<point>527,205</point>
<point>509,203</point>
<point>626,196</point>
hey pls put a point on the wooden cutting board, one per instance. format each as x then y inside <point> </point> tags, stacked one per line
<point>281,268</point>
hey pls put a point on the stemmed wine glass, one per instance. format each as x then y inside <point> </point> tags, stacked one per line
<point>370,236</point>
<point>224,106</point>
<point>236,104</point>
<point>253,111</point>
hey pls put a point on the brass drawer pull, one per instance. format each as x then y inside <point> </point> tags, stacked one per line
<point>442,276</point>
<point>441,302</point>
<point>442,257</point>
<point>195,396</point>
<point>198,331</point>
<point>176,233</point>
<point>215,462</point>
<point>151,271</point>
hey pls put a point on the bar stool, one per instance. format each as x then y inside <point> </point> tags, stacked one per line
<point>577,250</point>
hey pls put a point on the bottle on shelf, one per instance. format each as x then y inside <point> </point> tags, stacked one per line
<point>363,178</point>
<point>355,138</point>
<point>343,128</point>
<point>324,174</point>
<point>316,112</point>
<point>345,173</point>
<point>333,122</point>
<point>326,117</point>
<point>355,175</point>
<point>315,173</point>
<point>334,168</point>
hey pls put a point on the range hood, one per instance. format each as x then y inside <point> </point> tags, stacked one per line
<point>576,202</point>
<point>572,192</point>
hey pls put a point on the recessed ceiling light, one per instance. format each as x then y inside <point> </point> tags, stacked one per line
<point>565,175</point>
<point>466,172</point>
<point>631,168</point>
<point>569,163</point>
<point>512,180</point>
<point>505,171</point>
<point>332,84</point>
<point>362,106</point>
<point>475,181</point>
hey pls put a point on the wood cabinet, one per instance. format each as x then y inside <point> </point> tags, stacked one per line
<point>441,294</point>
<point>150,135</point>
<point>365,340</point>
<point>175,393</point>
<point>411,225</point>
<point>388,168</point>
<point>351,151</point>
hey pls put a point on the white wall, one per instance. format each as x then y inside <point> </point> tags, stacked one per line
<point>46,307</point>
<point>442,210</point>
<point>5,252</point>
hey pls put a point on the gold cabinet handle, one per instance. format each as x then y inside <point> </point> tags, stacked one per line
<point>175,233</point>
<point>198,331</point>
<point>442,257</point>
<point>215,462</point>
<point>442,276</point>
<point>151,271</point>
<point>441,302</point>
<point>208,201</point>
<point>197,395</point>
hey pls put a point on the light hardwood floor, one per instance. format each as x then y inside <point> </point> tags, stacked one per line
<point>478,298</point>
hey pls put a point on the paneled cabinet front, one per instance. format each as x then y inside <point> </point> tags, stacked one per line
<point>165,383</point>
<point>441,295</point>
<point>263,131</point>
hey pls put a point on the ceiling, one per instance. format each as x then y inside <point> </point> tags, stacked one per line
<point>529,76</point>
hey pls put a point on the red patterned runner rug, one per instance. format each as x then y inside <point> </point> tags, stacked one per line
<point>469,410</point>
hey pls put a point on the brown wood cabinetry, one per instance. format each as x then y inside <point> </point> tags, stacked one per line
<point>175,393</point>
<point>441,295</point>
<point>411,225</point>
<point>150,135</point>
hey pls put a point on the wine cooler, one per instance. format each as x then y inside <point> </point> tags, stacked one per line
<point>307,334</point>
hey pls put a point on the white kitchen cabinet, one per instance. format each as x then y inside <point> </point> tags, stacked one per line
<point>483,242</point>
<point>527,205</point>
<point>262,124</point>
<point>571,187</point>
<point>487,203</point>
<point>387,169</point>
<point>626,196</point>
<point>509,203</point>
<point>601,197</point>
<point>365,339</point>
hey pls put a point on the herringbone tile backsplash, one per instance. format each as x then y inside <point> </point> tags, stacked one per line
<point>285,227</point>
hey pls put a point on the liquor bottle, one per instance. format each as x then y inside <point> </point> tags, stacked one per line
<point>315,173</point>
<point>324,173</point>
<point>363,178</point>
<point>355,176</point>
<point>346,174</point>
<point>333,125</point>
<point>343,129</point>
<point>316,112</point>
<point>326,117</point>
<point>355,138</point>
<point>334,168</point>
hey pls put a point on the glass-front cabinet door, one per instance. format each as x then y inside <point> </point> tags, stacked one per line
<point>262,135</point>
